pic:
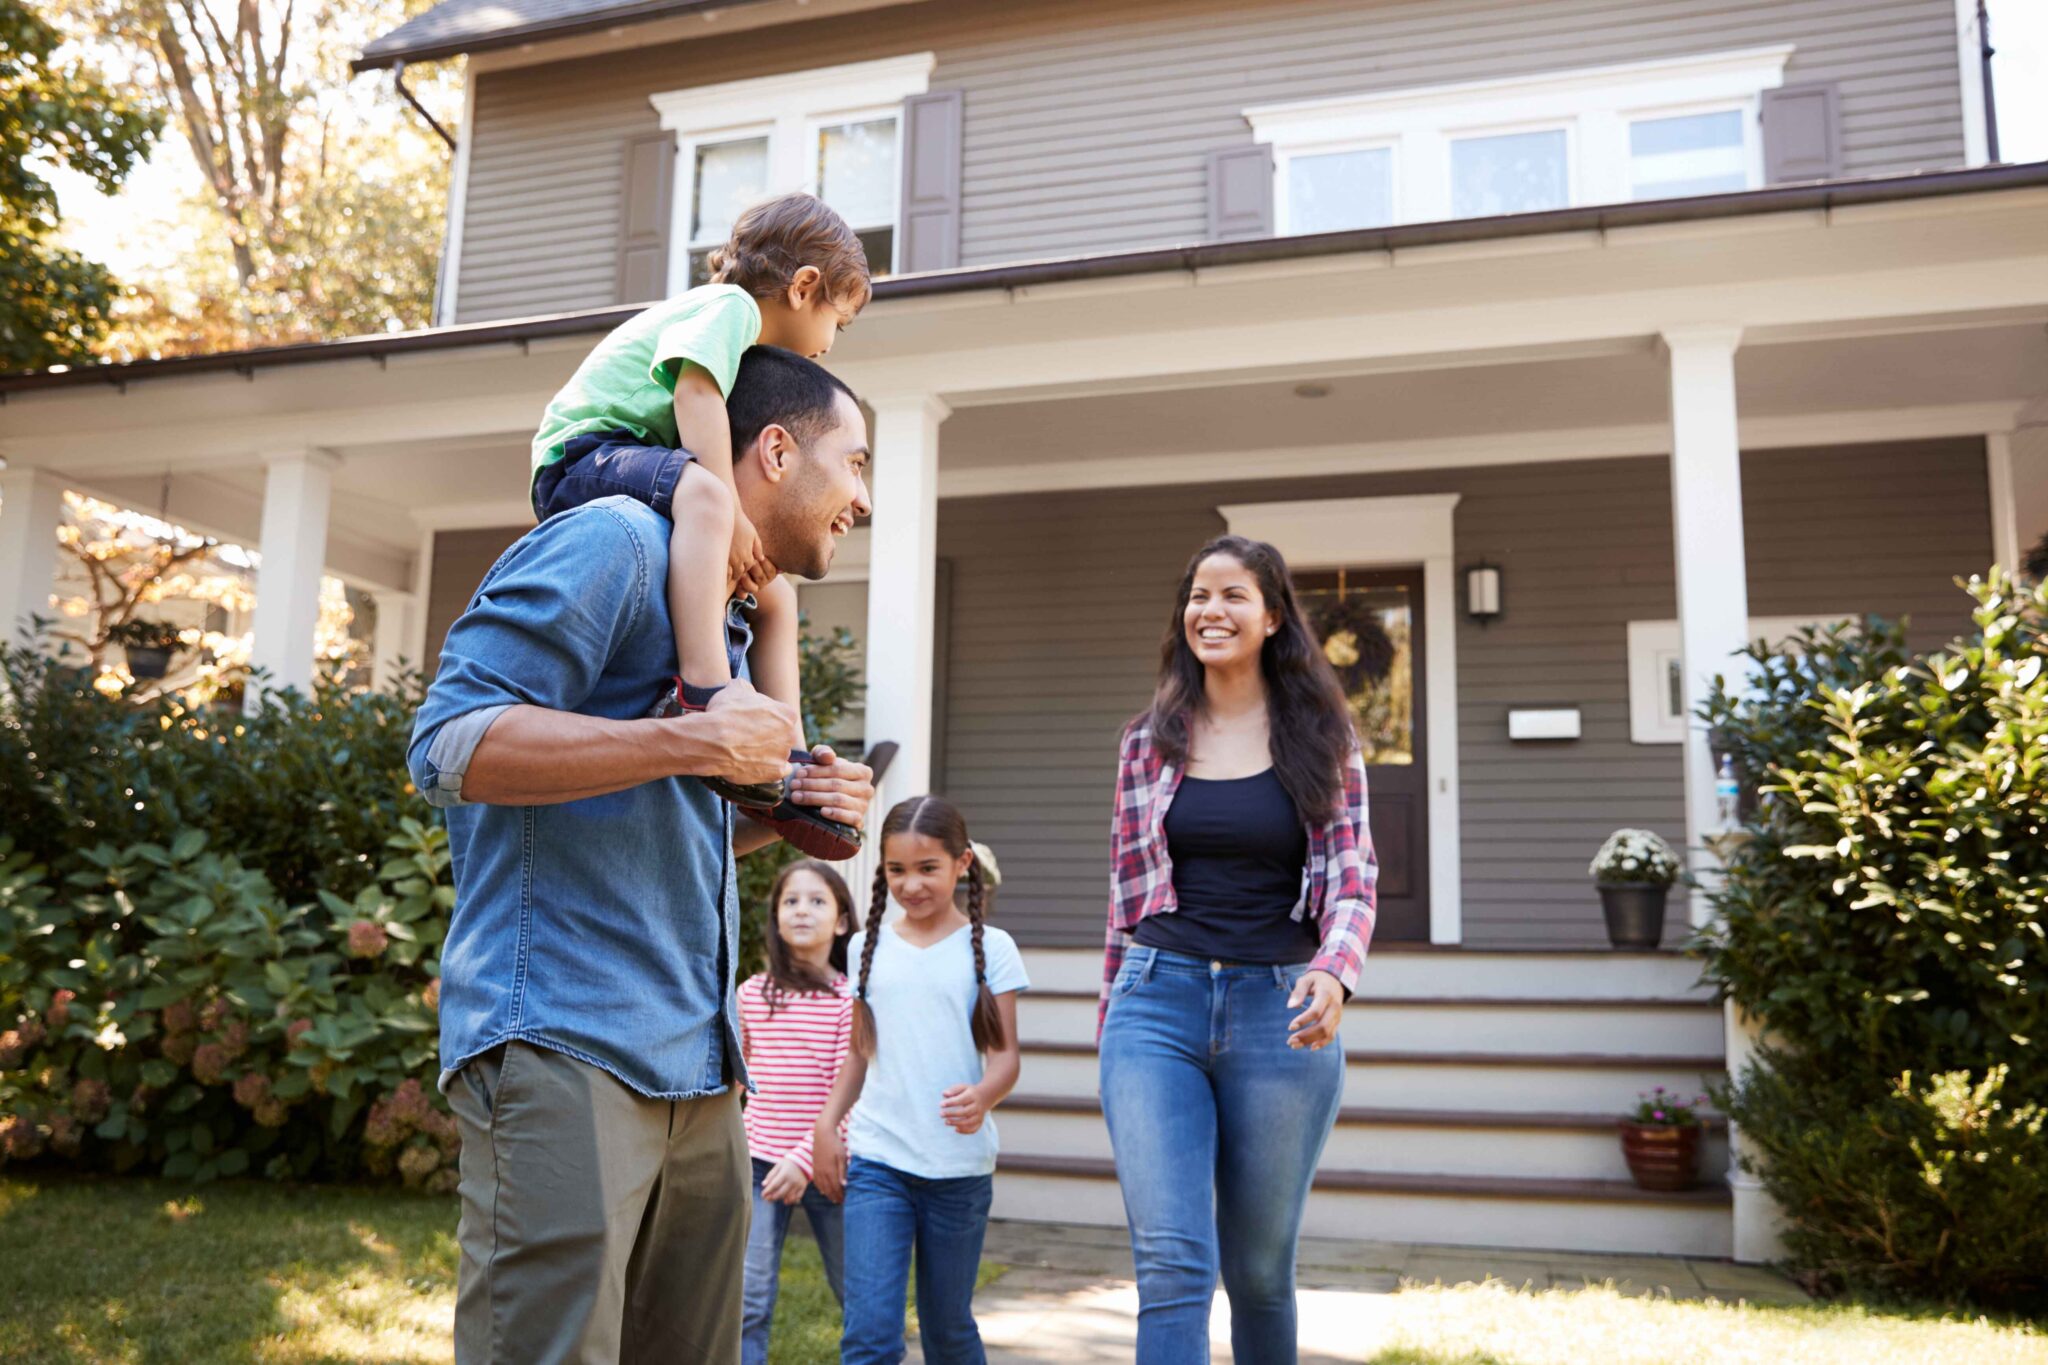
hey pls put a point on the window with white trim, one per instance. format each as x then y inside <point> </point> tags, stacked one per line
<point>1600,135</point>
<point>835,132</point>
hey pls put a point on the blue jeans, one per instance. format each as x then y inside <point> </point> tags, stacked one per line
<point>764,1258</point>
<point>888,1212</point>
<point>600,464</point>
<point>1217,1126</point>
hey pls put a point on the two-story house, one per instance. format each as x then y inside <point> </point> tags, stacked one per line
<point>1566,344</point>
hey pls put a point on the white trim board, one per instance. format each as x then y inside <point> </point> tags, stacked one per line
<point>1330,533</point>
<point>458,205</point>
<point>1970,67</point>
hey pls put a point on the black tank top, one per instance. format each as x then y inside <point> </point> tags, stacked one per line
<point>1238,847</point>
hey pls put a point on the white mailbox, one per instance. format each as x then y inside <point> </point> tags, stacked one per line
<point>1556,722</point>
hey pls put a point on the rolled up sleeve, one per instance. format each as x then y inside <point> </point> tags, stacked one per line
<point>540,631</point>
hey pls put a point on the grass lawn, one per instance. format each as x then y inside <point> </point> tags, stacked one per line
<point>147,1271</point>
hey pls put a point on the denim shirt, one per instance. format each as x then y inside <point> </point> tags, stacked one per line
<point>605,928</point>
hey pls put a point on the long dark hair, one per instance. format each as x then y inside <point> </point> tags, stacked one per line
<point>787,975</point>
<point>936,818</point>
<point>1308,720</point>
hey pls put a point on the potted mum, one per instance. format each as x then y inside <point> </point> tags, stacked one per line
<point>1661,1140</point>
<point>1634,871</point>
<point>147,645</point>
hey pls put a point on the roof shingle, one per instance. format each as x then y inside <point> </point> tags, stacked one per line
<point>457,26</point>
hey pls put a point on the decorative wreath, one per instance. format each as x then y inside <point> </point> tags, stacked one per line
<point>1355,641</point>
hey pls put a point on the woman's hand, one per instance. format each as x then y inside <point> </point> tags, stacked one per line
<point>828,1162</point>
<point>963,1108</point>
<point>784,1183</point>
<point>1315,1027</point>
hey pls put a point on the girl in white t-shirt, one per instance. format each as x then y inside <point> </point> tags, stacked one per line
<point>934,1052</point>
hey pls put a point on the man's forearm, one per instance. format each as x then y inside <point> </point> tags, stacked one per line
<point>532,756</point>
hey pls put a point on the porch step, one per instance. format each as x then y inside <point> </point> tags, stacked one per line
<point>1562,1024</point>
<point>1463,1210</point>
<point>1447,1142</point>
<point>1401,971</point>
<point>1503,1082</point>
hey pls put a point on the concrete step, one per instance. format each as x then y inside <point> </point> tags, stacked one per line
<point>1408,1141</point>
<point>1396,972</point>
<point>1582,1024</point>
<point>1499,1082</point>
<point>1566,1215</point>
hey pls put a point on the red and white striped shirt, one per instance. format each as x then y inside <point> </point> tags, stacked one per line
<point>793,1058</point>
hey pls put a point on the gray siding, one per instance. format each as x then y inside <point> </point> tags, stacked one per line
<point>461,559</point>
<point>1089,122</point>
<point>1059,600</point>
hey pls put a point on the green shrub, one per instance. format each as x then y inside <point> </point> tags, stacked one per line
<point>1883,917</point>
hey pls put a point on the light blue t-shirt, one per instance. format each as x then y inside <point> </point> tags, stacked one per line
<point>924,1045</point>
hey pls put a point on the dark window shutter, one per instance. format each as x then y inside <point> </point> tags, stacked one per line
<point>647,206</point>
<point>930,236</point>
<point>1802,134</point>
<point>1241,193</point>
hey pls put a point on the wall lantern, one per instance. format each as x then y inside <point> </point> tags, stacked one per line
<point>1482,593</point>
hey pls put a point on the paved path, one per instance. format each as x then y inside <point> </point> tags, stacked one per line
<point>1069,1295</point>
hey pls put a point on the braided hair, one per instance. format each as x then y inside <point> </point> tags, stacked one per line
<point>939,819</point>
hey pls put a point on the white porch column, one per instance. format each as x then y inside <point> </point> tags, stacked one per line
<point>1706,521</point>
<point>1713,626</point>
<point>31,510</point>
<point>2006,548</point>
<point>294,547</point>
<point>393,641</point>
<point>902,584</point>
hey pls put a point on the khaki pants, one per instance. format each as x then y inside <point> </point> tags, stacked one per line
<point>597,1225</point>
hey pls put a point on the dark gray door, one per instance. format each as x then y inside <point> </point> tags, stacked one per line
<point>1370,622</point>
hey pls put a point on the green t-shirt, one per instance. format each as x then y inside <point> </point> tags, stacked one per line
<point>629,382</point>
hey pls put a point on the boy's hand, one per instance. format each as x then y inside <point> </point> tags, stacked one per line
<point>828,1163</point>
<point>963,1109</point>
<point>746,564</point>
<point>784,1183</point>
<point>840,789</point>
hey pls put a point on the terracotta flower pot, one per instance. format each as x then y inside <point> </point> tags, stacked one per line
<point>1662,1156</point>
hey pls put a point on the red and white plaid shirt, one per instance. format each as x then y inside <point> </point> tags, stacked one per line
<point>1339,886</point>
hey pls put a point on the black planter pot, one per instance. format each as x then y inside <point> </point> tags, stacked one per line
<point>146,664</point>
<point>1635,913</point>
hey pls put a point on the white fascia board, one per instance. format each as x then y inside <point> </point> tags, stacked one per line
<point>1648,84</point>
<point>803,94</point>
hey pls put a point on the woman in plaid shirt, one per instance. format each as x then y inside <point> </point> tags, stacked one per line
<point>1242,898</point>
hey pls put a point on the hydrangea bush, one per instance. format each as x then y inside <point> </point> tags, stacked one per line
<point>1635,856</point>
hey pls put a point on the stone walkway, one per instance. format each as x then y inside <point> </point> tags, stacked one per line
<point>1069,1295</point>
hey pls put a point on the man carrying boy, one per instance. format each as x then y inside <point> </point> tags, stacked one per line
<point>587,1022</point>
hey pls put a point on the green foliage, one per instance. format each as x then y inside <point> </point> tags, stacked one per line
<point>1666,1109</point>
<point>54,304</point>
<point>1883,916</point>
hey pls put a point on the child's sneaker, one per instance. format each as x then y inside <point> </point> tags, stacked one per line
<point>809,829</point>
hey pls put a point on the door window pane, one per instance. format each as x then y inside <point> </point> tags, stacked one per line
<point>857,173</point>
<point>1367,634</point>
<point>730,176</point>
<point>1689,154</point>
<point>1332,191</point>
<point>1510,173</point>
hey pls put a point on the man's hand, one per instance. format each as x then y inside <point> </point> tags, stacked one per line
<point>828,1162</point>
<point>784,1183</point>
<point>752,730</point>
<point>841,789</point>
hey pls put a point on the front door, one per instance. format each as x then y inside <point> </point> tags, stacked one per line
<point>1370,623</point>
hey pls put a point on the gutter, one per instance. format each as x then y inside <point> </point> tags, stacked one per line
<point>616,17</point>
<point>1820,195</point>
<point>1985,52</point>
<point>398,81</point>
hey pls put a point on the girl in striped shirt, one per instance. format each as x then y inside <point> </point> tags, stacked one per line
<point>795,1022</point>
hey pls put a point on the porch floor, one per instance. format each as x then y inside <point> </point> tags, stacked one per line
<point>1069,1296</point>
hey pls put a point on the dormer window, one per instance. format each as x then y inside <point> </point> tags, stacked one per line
<point>1601,135</point>
<point>836,132</point>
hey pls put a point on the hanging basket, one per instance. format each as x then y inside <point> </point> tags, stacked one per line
<point>1356,642</point>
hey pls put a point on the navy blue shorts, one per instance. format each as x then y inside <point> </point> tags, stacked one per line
<point>600,464</point>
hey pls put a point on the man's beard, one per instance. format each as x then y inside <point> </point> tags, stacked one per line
<point>797,536</point>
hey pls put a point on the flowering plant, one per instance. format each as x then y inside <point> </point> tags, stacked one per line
<point>1661,1108</point>
<point>1635,855</point>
